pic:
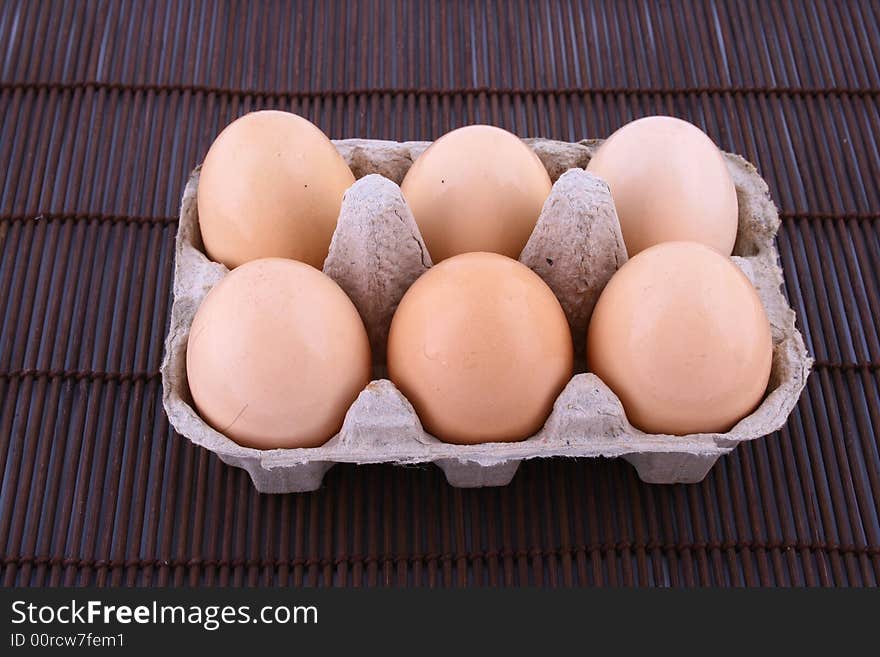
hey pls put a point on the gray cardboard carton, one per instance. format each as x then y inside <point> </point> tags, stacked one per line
<point>377,252</point>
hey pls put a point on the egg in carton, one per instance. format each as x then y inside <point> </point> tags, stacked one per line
<point>377,252</point>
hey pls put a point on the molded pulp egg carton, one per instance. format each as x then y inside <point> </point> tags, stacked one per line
<point>377,252</point>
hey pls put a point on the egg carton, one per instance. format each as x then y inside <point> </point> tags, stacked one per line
<point>375,255</point>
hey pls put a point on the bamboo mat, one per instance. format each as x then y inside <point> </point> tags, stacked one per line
<point>105,107</point>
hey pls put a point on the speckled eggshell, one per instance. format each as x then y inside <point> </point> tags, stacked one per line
<point>276,355</point>
<point>478,188</point>
<point>481,348</point>
<point>669,182</point>
<point>271,185</point>
<point>680,335</point>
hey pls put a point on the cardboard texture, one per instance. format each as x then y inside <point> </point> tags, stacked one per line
<point>377,252</point>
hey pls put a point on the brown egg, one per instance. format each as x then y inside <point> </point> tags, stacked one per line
<point>680,335</point>
<point>478,188</point>
<point>481,348</point>
<point>271,185</point>
<point>669,182</point>
<point>276,355</point>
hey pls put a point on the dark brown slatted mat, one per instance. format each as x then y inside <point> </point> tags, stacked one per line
<point>106,106</point>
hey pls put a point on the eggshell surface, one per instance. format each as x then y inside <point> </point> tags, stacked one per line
<point>276,355</point>
<point>271,185</point>
<point>669,182</point>
<point>481,348</point>
<point>477,188</point>
<point>680,336</point>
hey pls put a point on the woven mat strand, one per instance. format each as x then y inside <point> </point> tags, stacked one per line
<point>104,109</point>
